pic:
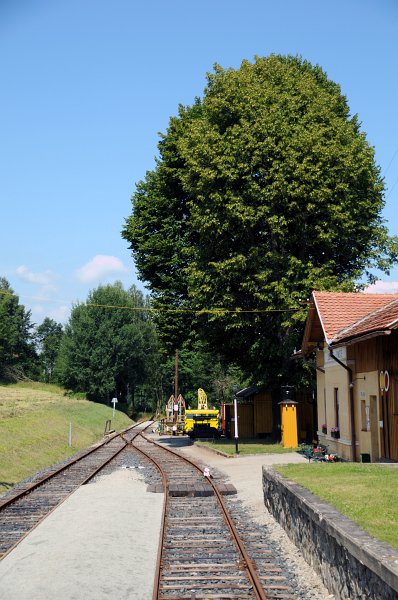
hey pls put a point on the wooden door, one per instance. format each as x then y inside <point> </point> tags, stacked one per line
<point>374,430</point>
<point>385,417</point>
<point>262,415</point>
<point>246,421</point>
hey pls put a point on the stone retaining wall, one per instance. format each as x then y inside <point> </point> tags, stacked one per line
<point>352,564</point>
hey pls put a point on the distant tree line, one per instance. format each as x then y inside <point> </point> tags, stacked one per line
<point>26,351</point>
<point>108,348</point>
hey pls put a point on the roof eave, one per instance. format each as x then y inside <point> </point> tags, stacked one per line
<point>320,318</point>
<point>359,338</point>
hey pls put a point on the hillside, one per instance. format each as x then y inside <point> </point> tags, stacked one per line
<point>34,428</point>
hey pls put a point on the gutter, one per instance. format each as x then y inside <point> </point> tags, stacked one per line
<point>361,338</point>
<point>352,415</point>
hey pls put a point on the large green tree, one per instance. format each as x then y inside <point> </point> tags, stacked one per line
<point>48,338</point>
<point>17,353</point>
<point>264,189</point>
<point>109,346</point>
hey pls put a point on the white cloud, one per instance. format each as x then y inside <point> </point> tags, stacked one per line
<point>60,314</point>
<point>45,278</point>
<point>45,293</point>
<point>100,267</point>
<point>37,310</point>
<point>383,287</point>
<point>44,290</point>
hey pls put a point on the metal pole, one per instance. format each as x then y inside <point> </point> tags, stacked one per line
<point>176,378</point>
<point>236,422</point>
<point>70,434</point>
<point>175,407</point>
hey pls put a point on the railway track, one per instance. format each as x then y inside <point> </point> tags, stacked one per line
<point>201,554</point>
<point>26,508</point>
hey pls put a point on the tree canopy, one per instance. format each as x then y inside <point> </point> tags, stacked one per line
<point>48,338</point>
<point>200,368</point>
<point>17,353</point>
<point>109,346</point>
<point>264,189</point>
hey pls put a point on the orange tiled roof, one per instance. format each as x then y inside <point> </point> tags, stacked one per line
<point>381,319</point>
<point>345,315</point>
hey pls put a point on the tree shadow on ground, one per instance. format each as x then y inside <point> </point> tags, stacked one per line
<point>175,441</point>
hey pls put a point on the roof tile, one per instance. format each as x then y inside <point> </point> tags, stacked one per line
<point>379,320</point>
<point>358,311</point>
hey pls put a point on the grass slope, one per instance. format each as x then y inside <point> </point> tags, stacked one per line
<point>34,428</point>
<point>365,493</point>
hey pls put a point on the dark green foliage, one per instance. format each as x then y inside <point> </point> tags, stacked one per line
<point>48,340</point>
<point>109,346</point>
<point>263,191</point>
<point>200,368</point>
<point>17,353</point>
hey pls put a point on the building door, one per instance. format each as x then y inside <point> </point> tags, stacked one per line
<point>385,429</point>
<point>246,421</point>
<point>374,430</point>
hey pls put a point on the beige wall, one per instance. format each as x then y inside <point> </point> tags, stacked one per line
<point>334,377</point>
<point>366,386</point>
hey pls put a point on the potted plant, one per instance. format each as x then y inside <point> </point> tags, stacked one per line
<point>324,428</point>
<point>335,432</point>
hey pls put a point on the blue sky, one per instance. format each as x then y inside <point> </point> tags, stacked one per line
<point>87,86</point>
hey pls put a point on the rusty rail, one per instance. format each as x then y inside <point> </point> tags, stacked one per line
<point>247,563</point>
<point>16,509</point>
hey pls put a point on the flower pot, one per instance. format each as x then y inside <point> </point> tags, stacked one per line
<point>324,430</point>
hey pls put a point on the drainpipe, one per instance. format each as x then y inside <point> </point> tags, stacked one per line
<point>351,387</point>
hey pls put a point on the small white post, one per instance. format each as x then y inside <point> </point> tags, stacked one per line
<point>235,389</point>
<point>114,401</point>
<point>70,434</point>
<point>236,417</point>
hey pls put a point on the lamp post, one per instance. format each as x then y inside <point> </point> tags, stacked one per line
<point>235,389</point>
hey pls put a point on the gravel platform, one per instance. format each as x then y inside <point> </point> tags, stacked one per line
<point>101,543</point>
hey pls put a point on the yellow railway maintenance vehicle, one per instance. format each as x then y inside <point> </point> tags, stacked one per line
<point>202,421</point>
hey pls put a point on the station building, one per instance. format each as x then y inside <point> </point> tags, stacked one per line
<point>354,337</point>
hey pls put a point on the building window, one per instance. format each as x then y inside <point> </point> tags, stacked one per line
<point>336,408</point>
<point>364,415</point>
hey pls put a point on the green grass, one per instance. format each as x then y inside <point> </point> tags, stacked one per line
<point>367,494</point>
<point>34,428</point>
<point>246,447</point>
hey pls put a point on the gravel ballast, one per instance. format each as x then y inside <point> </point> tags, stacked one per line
<point>245,472</point>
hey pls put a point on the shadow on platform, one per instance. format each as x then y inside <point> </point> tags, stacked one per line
<point>177,441</point>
